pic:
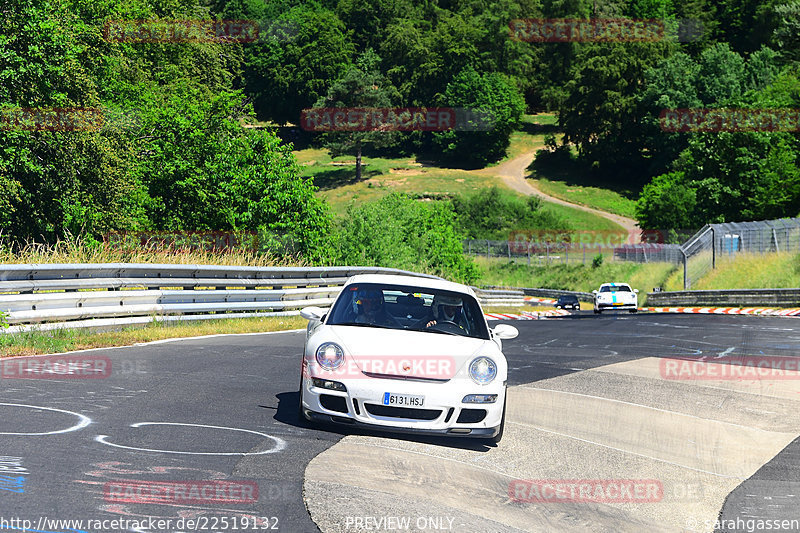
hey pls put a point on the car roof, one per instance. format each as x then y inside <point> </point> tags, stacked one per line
<point>613,284</point>
<point>424,283</point>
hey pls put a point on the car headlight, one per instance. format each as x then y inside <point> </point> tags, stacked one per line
<point>330,355</point>
<point>482,370</point>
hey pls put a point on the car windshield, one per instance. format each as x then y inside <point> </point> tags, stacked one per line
<point>568,299</point>
<point>410,308</point>
<point>615,288</point>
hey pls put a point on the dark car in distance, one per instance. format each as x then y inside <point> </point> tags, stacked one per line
<point>568,302</point>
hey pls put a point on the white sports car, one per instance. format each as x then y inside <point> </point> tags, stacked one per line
<point>616,296</point>
<point>405,354</point>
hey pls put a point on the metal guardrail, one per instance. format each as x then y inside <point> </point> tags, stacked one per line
<point>555,293</point>
<point>732,297</point>
<point>511,297</point>
<point>118,294</point>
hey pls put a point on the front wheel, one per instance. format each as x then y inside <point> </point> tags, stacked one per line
<point>301,412</point>
<point>497,438</point>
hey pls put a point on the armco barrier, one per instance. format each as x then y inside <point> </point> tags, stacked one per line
<point>555,293</point>
<point>118,294</point>
<point>725,298</point>
<point>112,295</point>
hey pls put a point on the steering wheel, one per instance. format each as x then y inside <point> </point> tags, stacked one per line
<point>450,326</point>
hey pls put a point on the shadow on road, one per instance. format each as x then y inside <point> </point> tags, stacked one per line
<point>288,412</point>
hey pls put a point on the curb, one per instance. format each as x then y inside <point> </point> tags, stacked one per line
<point>539,300</point>
<point>760,311</point>
<point>526,315</point>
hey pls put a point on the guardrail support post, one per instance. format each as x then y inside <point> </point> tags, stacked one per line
<point>487,248</point>
<point>529,253</point>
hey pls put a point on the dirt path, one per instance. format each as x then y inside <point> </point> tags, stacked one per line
<point>513,174</point>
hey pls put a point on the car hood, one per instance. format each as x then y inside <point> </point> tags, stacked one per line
<point>406,353</point>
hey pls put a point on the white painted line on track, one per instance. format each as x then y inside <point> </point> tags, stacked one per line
<point>84,420</point>
<point>280,444</point>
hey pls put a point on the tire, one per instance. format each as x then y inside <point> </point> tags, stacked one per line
<point>302,416</point>
<point>634,310</point>
<point>597,311</point>
<point>497,438</point>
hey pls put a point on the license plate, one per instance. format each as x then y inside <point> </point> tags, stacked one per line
<point>619,303</point>
<point>403,400</point>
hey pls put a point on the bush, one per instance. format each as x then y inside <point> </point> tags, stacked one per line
<point>597,261</point>
<point>400,232</point>
<point>494,214</point>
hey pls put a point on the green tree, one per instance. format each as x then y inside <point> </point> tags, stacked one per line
<point>668,202</point>
<point>602,113</point>
<point>362,85</point>
<point>489,95</point>
<point>289,70</point>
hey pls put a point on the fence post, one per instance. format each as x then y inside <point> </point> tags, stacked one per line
<point>487,248</point>
<point>529,253</point>
<point>584,254</point>
<point>566,254</point>
<point>470,247</point>
<point>686,283</point>
<point>547,252</point>
<point>509,250</point>
<point>713,248</point>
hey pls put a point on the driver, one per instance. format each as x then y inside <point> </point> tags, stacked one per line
<point>446,309</point>
<point>371,309</point>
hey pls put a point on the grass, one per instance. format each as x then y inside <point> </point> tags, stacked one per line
<point>590,196</point>
<point>582,220</point>
<point>574,277</point>
<point>64,340</point>
<point>77,251</point>
<point>745,271</point>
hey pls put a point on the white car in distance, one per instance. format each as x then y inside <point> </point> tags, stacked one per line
<point>616,297</point>
<point>405,354</point>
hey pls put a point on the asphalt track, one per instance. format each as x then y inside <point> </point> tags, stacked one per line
<point>584,403</point>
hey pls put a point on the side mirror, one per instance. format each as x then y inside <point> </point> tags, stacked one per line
<point>312,313</point>
<point>594,291</point>
<point>504,331</point>
<point>636,291</point>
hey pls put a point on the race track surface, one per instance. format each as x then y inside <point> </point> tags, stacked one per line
<point>208,430</point>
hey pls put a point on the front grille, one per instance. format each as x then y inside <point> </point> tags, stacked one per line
<point>406,378</point>
<point>402,412</point>
<point>333,403</point>
<point>471,416</point>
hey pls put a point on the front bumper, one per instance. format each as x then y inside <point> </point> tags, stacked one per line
<point>613,306</point>
<point>361,405</point>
